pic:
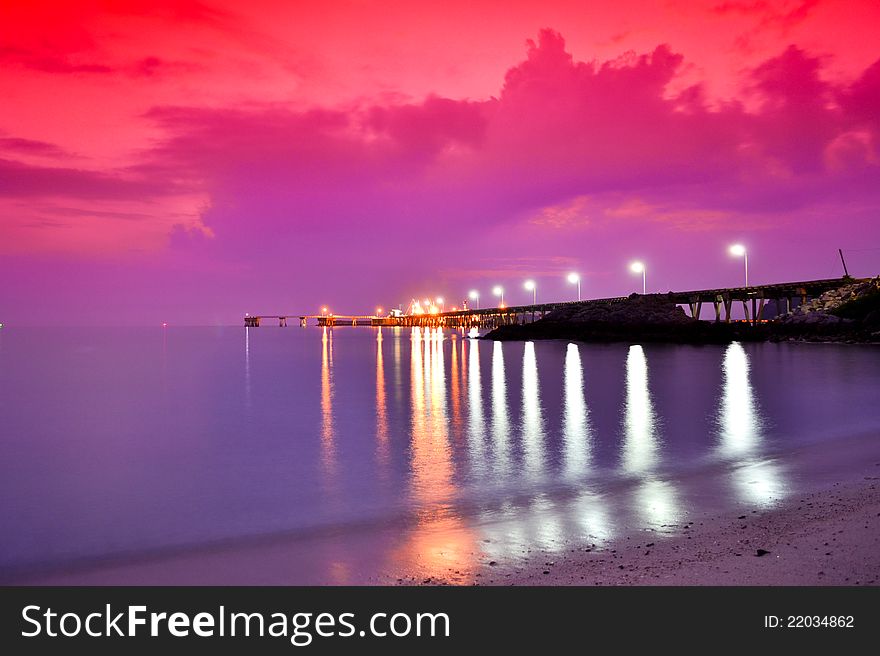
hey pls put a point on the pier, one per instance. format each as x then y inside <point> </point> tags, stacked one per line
<point>753,299</point>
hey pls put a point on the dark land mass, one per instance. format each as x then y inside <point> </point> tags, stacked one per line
<point>850,313</point>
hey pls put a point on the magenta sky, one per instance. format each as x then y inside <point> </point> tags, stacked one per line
<point>191,161</point>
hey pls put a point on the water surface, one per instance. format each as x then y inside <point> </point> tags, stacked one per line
<point>359,452</point>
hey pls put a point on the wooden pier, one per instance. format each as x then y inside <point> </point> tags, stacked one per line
<point>753,299</point>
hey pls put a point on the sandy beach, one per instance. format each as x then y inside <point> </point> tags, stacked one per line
<point>831,537</point>
<point>828,533</point>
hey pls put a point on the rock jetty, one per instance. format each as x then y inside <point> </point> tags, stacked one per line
<point>849,313</point>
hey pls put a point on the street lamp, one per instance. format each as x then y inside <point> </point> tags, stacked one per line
<point>498,290</point>
<point>639,267</point>
<point>575,279</point>
<point>475,296</point>
<point>323,311</point>
<point>378,312</point>
<point>532,287</point>
<point>738,250</point>
<point>440,303</point>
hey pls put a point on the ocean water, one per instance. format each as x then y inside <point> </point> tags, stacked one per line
<point>362,451</point>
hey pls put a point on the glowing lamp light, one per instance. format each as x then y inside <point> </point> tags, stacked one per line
<point>164,324</point>
<point>498,290</point>
<point>532,287</point>
<point>639,267</point>
<point>475,297</point>
<point>738,250</point>
<point>575,279</point>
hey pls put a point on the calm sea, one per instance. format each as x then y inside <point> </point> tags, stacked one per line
<point>375,450</point>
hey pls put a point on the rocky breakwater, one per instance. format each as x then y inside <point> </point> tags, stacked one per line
<point>636,318</point>
<point>849,313</point>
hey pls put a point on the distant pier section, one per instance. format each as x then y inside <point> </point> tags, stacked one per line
<point>753,300</point>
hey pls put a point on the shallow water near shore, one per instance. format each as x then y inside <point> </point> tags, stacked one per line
<point>232,455</point>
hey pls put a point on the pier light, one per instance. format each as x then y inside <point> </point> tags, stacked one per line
<point>532,287</point>
<point>575,279</point>
<point>738,250</point>
<point>475,296</point>
<point>498,290</point>
<point>639,267</point>
<point>378,312</point>
<point>323,311</point>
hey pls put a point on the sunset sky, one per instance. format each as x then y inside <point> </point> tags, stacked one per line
<point>189,161</point>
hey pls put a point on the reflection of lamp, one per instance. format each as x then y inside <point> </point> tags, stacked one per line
<point>738,422</point>
<point>639,267</point>
<point>500,412</point>
<point>574,417</point>
<point>758,480</point>
<point>738,250</point>
<point>640,444</point>
<point>575,279</point>
<point>532,423</point>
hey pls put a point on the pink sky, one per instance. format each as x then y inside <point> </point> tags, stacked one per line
<point>191,161</point>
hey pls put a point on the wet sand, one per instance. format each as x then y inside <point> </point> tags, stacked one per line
<point>825,530</point>
<point>831,537</point>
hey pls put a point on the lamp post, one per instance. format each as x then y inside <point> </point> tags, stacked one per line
<point>639,267</point>
<point>440,302</point>
<point>575,279</point>
<point>532,287</point>
<point>498,290</point>
<point>738,250</point>
<point>475,297</point>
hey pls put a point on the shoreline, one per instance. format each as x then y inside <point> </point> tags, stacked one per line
<point>833,498</point>
<point>827,537</point>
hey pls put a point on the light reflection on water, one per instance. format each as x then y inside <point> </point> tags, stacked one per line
<point>532,421</point>
<point>575,419</point>
<point>757,479</point>
<point>640,448</point>
<point>500,414</point>
<point>472,450</point>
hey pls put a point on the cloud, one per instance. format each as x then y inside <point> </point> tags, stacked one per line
<point>20,180</point>
<point>18,146</point>
<point>270,179</point>
<point>782,15</point>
